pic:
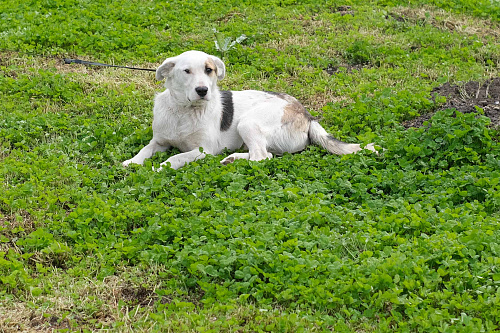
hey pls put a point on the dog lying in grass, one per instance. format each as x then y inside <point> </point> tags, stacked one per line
<point>192,113</point>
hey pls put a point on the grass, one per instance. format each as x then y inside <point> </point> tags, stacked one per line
<point>405,241</point>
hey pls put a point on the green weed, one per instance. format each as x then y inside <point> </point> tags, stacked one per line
<point>401,241</point>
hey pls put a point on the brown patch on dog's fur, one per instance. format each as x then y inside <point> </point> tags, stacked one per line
<point>211,64</point>
<point>295,114</point>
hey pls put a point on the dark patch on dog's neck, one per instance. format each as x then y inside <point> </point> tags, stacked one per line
<point>227,110</point>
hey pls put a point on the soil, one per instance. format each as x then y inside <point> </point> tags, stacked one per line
<point>47,324</point>
<point>333,69</point>
<point>465,98</point>
<point>139,296</point>
<point>343,10</point>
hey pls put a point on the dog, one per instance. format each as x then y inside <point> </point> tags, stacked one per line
<point>193,115</point>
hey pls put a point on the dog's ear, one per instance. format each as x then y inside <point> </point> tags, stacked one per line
<point>221,68</point>
<point>166,68</point>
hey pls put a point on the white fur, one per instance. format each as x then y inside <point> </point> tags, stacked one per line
<point>188,121</point>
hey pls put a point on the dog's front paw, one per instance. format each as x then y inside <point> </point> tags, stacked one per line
<point>127,162</point>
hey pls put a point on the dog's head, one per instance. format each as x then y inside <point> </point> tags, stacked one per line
<point>192,76</point>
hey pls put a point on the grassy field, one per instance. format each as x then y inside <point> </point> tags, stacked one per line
<point>407,240</point>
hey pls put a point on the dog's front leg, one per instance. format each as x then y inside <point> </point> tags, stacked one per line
<point>179,160</point>
<point>146,152</point>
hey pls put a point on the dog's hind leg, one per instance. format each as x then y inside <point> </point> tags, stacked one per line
<point>255,139</point>
<point>146,152</point>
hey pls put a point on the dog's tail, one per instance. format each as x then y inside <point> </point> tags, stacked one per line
<point>318,135</point>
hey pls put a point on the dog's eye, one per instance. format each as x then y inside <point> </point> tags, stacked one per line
<point>208,70</point>
<point>187,71</point>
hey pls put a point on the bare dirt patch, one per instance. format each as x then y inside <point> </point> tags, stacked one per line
<point>333,69</point>
<point>141,296</point>
<point>343,10</point>
<point>466,98</point>
<point>48,324</point>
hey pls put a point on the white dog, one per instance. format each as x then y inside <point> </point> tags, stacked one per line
<point>192,113</point>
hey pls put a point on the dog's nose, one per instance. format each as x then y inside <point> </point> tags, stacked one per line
<point>201,91</point>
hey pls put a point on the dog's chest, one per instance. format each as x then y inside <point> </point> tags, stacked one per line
<point>183,131</point>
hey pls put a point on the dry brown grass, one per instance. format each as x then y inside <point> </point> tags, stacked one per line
<point>114,77</point>
<point>317,101</point>
<point>303,41</point>
<point>445,20</point>
<point>79,303</point>
<point>23,224</point>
